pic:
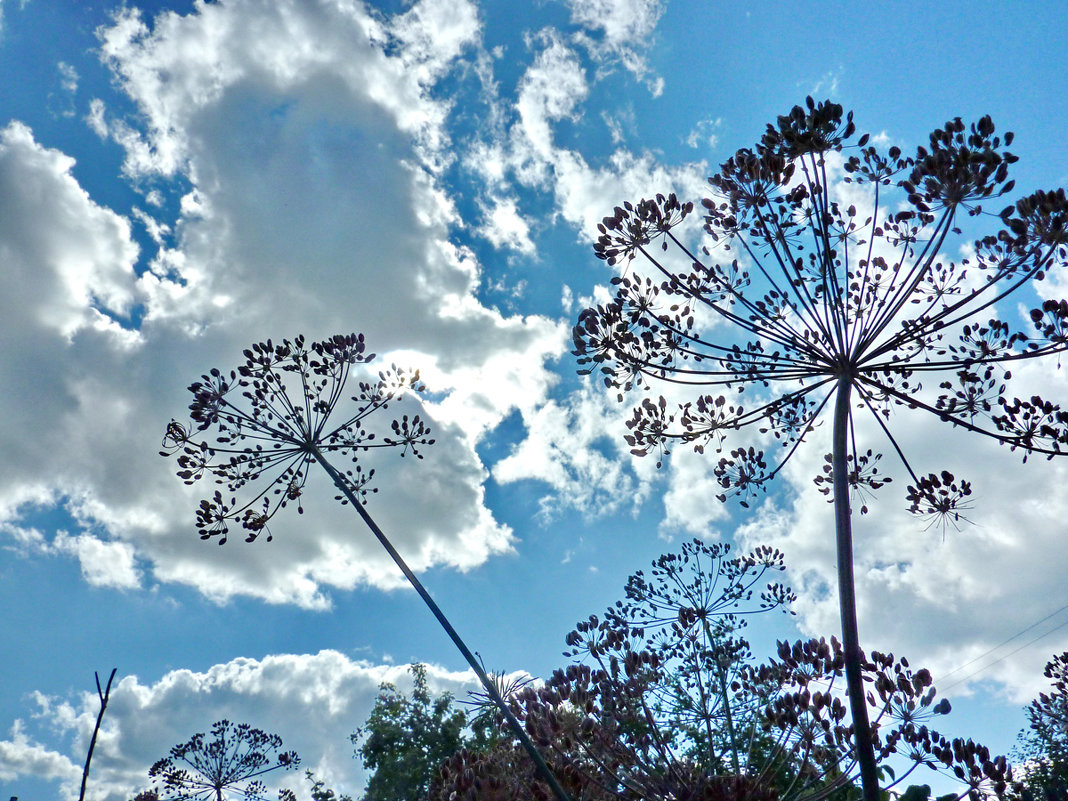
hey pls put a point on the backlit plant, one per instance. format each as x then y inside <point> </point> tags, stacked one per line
<point>229,765</point>
<point>259,429</point>
<point>822,288</point>
<point>663,701</point>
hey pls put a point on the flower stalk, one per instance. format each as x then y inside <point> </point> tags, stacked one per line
<point>847,600</point>
<point>435,610</point>
<point>819,305</point>
<point>275,417</point>
<point>104,696</point>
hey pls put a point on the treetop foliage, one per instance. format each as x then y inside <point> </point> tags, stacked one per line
<point>406,738</point>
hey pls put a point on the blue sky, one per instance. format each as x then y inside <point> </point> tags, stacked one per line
<point>178,180</point>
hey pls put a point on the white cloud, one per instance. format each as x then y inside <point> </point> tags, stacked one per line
<point>432,34</point>
<point>155,229</point>
<point>96,117</point>
<point>26,539</point>
<point>703,133</point>
<point>311,137</point>
<point>577,449</point>
<point>69,265</point>
<point>187,65</point>
<point>624,29</point>
<point>21,756</point>
<point>690,503</point>
<point>312,701</point>
<point>550,90</point>
<point>75,259</point>
<point>504,227</point>
<point>826,86</point>
<point>68,77</point>
<point>521,150</point>
<point>585,195</point>
<point>104,564</point>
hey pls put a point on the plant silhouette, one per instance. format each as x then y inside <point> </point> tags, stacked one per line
<point>259,429</point>
<point>233,760</point>
<point>692,607</point>
<point>662,700</point>
<point>105,696</point>
<point>827,307</point>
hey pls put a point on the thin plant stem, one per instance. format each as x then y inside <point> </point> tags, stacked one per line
<point>104,695</point>
<point>491,689</point>
<point>847,601</point>
<point>729,720</point>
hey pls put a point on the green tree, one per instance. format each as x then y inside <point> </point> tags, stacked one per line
<point>320,792</point>
<point>1043,748</point>
<point>815,308</point>
<point>406,738</point>
<point>663,702</point>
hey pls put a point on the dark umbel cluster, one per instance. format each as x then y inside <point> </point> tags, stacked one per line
<point>816,286</point>
<point>257,429</point>
<point>664,700</point>
<point>815,292</point>
<point>791,304</point>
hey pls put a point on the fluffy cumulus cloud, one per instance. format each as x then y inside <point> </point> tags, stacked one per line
<point>309,144</point>
<point>104,564</point>
<point>70,269</point>
<point>621,31</point>
<point>20,755</point>
<point>524,151</point>
<point>575,448</point>
<point>504,226</point>
<point>281,694</point>
<point>74,257</point>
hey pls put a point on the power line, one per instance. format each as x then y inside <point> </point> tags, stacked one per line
<point>1006,642</point>
<point>1010,653</point>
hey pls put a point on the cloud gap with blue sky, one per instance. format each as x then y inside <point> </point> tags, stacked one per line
<point>181,179</point>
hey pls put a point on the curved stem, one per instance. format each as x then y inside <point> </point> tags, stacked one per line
<point>847,599</point>
<point>104,695</point>
<point>489,686</point>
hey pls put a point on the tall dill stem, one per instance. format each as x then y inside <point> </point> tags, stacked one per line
<point>847,599</point>
<point>491,689</point>
<point>729,720</point>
